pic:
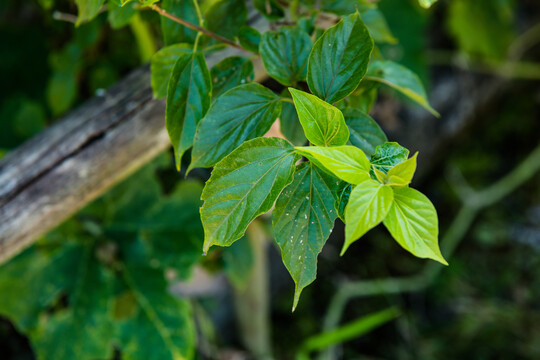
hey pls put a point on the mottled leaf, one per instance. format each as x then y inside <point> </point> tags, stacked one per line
<point>388,155</point>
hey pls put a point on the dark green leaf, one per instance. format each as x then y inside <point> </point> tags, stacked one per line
<point>388,155</point>
<point>364,97</point>
<point>188,98</point>
<point>302,221</point>
<point>243,113</point>
<point>174,32</point>
<point>412,221</point>
<point>88,9</point>
<point>401,79</point>
<point>346,7</point>
<point>342,194</point>
<point>238,262</point>
<point>377,26</point>
<point>226,17</point>
<point>365,133</point>
<point>249,38</point>
<point>162,65</point>
<point>269,8</point>
<point>290,124</point>
<point>323,123</point>
<point>285,54</point>
<point>244,185</point>
<point>368,205</point>
<point>231,72</point>
<point>339,59</point>
<point>120,16</point>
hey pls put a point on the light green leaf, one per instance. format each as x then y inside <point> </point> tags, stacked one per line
<point>188,98</point>
<point>388,155</point>
<point>285,54</point>
<point>345,162</point>
<point>401,79</point>
<point>231,72</point>
<point>323,123</point>
<point>249,38</point>
<point>302,221</point>
<point>427,3</point>
<point>378,27</point>
<point>339,59</point>
<point>242,113</point>
<point>289,123</point>
<point>402,174</point>
<point>88,9</point>
<point>162,64</point>
<point>174,32</point>
<point>161,327</point>
<point>85,328</point>
<point>244,185</point>
<point>365,133</point>
<point>368,205</point>
<point>412,221</point>
<point>238,262</point>
<point>269,8</point>
<point>226,17</point>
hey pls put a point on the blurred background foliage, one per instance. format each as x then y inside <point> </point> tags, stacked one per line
<point>485,305</point>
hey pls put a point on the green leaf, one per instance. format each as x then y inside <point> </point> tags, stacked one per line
<point>188,98</point>
<point>427,3</point>
<point>162,64</point>
<point>285,54</point>
<point>226,17</point>
<point>365,133</point>
<point>412,221</point>
<point>161,328</point>
<point>269,8</point>
<point>345,162</point>
<point>88,9</point>
<point>342,195</point>
<point>249,38</point>
<point>289,123</point>
<point>401,79</point>
<point>85,328</point>
<point>302,221</point>
<point>388,155</point>
<point>364,97</point>
<point>339,59</point>
<point>244,185</point>
<point>368,205</point>
<point>402,174</point>
<point>231,72</point>
<point>174,32</point>
<point>323,123</point>
<point>378,27</point>
<point>119,16</point>
<point>242,113</point>
<point>346,7</point>
<point>238,262</point>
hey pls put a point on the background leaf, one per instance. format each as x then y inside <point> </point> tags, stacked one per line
<point>231,72</point>
<point>162,64</point>
<point>269,8</point>
<point>226,17</point>
<point>243,186</point>
<point>88,9</point>
<point>174,32</point>
<point>365,133</point>
<point>302,221</point>
<point>238,262</point>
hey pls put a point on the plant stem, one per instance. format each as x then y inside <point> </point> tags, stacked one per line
<point>195,27</point>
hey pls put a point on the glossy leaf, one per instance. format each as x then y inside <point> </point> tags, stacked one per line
<point>269,8</point>
<point>238,262</point>
<point>378,27</point>
<point>323,123</point>
<point>243,113</point>
<point>285,54</point>
<point>88,9</point>
<point>174,32</point>
<point>339,59</point>
<point>345,162</point>
<point>229,73</point>
<point>162,64</point>
<point>289,123</point>
<point>401,79</point>
<point>244,185</point>
<point>365,133</point>
<point>388,155</point>
<point>85,326</point>
<point>188,98</point>
<point>412,221</point>
<point>226,17</point>
<point>302,221</point>
<point>249,38</point>
<point>402,174</point>
<point>368,205</point>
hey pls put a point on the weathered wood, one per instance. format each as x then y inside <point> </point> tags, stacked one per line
<point>60,170</point>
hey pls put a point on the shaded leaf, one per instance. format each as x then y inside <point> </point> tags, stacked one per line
<point>244,185</point>
<point>238,262</point>
<point>388,155</point>
<point>365,133</point>
<point>412,221</point>
<point>162,64</point>
<point>174,32</point>
<point>378,27</point>
<point>249,38</point>
<point>229,73</point>
<point>226,17</point>
<point>88,9</point>
<point>269,8</point>
<point>302,221</point>
<point>323,123</point>
<point>242,113</point>
<point>290,124</point>
<point>342,195</point>
<point>339,59</point>
<point>119,16</point>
